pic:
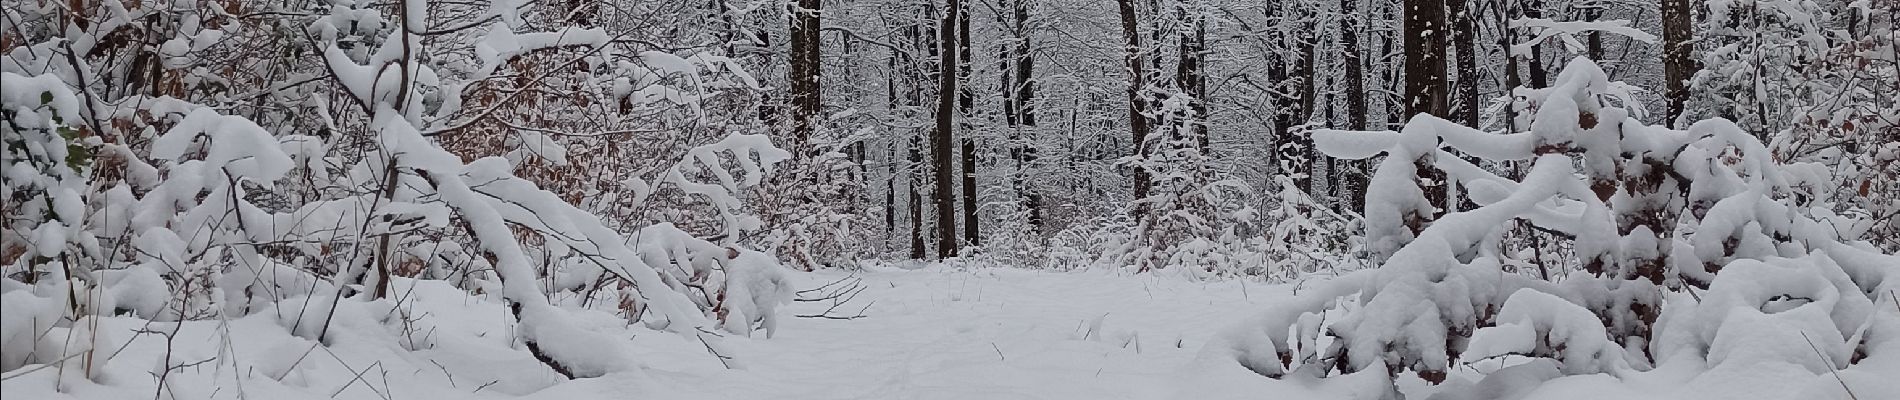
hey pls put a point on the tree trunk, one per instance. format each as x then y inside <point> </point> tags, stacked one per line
<point>965,102</point>
<point>1355,66</point>
<point>1309,97</point>
<point>804,71</point>
<point>924,38</point>
<point>940,146</point>
<point>1290,156</point>
<point>1463,37</point>
<point>1137,122</point>
<point>1191,75</point>
<point>1424,57</point>
<point>1425,83</point>
<point>1023,112</point>
<point>1540,77</point>
<point>1678,64</point>
<point>1355,76</point>
<point>916,199</point>
<point>890,193</point>
<point>1512,78</point>
<point>1594,42</point>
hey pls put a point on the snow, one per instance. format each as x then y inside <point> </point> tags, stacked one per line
<point>934,333</point>
<point>183,244</point>
<point>938,332</point>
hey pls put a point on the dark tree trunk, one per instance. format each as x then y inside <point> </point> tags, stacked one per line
<point>1356,175</point>
<point>804,71</point>
<point>1464,39</point>
<point>1594,41</point>
<point>925,41</point>
<point>1137,121</point>
<point>1355,66</point>
<point>916,199</point>
<point>1424,57</point>
<point>1190,74</point>
<point>940,146</point>
<point>1507,37</point>
<point>1022,112</point>
<point>1425,81</point>
<point>1309,96</point>
<point>1289,148</point>
<point>890,194</point>
<point>965,104</point>
<point>1678,64</point>
<point>1540,77</point>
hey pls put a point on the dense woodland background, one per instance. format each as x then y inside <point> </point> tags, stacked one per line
<point>1056,116</point>
<point>568,153</point>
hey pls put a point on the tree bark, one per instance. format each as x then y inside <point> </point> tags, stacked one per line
<point>1137,121</point>
<point>917,250</point>
<point>1678,64</point>
<point>1540,77</point>
<point>1022,112</point>
<point>1312,182</point>
<point>924,39</point>
<point>940,146</point>
<point>1424,57</point>
<point>1463,37</point>
<point>965,102</point>
<point>1355,75</point>
<point>1507,10</point>
<point>1190,73</point>
<point>890,193</point>
<point>1425,83</point>
<point>806,98</point>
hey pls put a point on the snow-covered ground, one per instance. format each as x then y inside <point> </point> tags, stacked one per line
<point>989,333</point>
<point>935,333</point>
<point>932,333</point>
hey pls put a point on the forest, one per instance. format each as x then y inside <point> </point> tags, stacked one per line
<point>950,199</point>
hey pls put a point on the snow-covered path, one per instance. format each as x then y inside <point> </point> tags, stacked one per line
<point>950,334</point>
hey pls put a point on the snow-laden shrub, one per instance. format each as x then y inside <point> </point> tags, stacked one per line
<point>1188,223</point>
<point>1305,237</point>
<point>1089,244</point>
<point>43,239</point>
<point>1294,238</point>
<point>172,202</point>
<point>809,207</point>
<point>1692,243</point>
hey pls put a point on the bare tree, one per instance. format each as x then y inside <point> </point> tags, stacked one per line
<point>1425,88</point>
<point>1424,57</point>
<point>965,101</point>
<point>1678,62</point>
<point>1137,119</point>
<point>1464,39</point>
<point>1355,77</point>
<point>1021,109</point>
<point>804,70</point>
<point>940,150</point>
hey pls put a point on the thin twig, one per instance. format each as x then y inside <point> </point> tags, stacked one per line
<point>359,376</point>
<point>1830,366</point>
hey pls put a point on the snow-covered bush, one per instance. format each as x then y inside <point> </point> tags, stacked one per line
<point>1089,244</point>
<point>164,190</point>
<point>1817,82</point>
<point>1307,237</point>
<point>809,209</point>
<point>1187,221</point>
<point>1693,243</point>
<point>1753,54</point>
